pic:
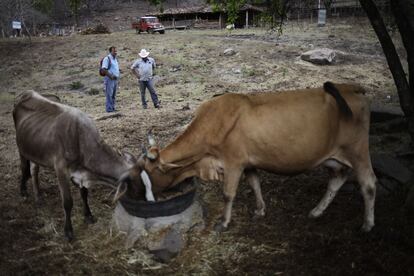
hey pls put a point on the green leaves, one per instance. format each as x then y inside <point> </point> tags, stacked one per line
<point>232,7</point>
<point>44,6</point>
<point>159,3</point>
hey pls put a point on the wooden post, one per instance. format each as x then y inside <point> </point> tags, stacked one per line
<point>247,19</point>
<point>220,19</point>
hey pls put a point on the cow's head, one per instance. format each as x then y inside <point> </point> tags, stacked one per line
<point>148,177</point>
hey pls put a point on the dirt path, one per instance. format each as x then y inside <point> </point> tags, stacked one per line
<point>192,68</point>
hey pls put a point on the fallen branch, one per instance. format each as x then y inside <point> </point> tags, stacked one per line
<point>109,116</point>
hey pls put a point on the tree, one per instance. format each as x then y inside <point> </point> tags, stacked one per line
<point>29,12</point>
<point>328,4</point>
<point>231,7</point>
<point>44,6</point>
<point>75,7</point>
<point>159,3</point>
<point>278,10</point>
<point>403,12</point>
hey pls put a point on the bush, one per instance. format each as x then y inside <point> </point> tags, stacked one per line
<point>99,29</point>
<point>76,85</point>
<point>249,72</point>
<point>93,91</point>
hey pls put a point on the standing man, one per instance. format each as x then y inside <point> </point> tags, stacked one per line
<point>143,69</point>
<point>110,68</point>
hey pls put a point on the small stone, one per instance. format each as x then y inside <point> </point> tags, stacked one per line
<point>237,71</point>
<point>176,68</point>
<point>186,107</point>
<point>229,52</point>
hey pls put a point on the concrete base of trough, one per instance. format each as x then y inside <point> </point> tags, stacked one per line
<point>164,237</point>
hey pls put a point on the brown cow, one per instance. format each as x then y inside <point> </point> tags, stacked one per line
<point>65,139</point>
<point>285,133</point>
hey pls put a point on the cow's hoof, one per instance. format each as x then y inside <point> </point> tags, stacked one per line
<point>258,214</point>
<point>90,219</point>
<point>219,227</point>
<point>366,227</point>
<point>257,217</point>
<point>314,214</point>
<point>69,235</point>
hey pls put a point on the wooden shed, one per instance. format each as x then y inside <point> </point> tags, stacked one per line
<point>207,17</point>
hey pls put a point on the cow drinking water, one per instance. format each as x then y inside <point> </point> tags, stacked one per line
<point>284,133</point>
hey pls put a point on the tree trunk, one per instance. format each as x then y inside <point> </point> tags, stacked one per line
<point>404,16</point>
<point>393,59</point>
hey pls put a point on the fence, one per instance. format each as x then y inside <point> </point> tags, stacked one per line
<point>338,9</point>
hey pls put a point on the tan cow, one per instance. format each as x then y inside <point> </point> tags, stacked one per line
<point>285,133</point>
<point>63,138</point>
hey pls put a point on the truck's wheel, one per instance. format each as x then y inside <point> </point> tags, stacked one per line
<point>162,32</point>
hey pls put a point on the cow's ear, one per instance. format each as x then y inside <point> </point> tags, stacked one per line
<point>153,153</point>
<point>129,157</point>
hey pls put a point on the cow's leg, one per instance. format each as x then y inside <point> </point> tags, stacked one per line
<point>86,211</point>
<point>253,180</point>
<point>231,182</point>
<point>34,169</point>
<point>25,169</point>
<point>367,180</point>
<point>67,201</point>
<point>339,177</point>
<point>360,160</point>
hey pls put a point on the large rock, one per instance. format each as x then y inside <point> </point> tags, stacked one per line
<point>319,56</point>
<point>162,236</point>
<point>381,112</point>
<point>389,166</point>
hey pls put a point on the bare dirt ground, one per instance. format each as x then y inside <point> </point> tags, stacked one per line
<point>192,68</point>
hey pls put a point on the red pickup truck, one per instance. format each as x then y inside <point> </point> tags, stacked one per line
<point>149,24</point>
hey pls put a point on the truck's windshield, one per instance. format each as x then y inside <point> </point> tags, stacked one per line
<point>151,20</point>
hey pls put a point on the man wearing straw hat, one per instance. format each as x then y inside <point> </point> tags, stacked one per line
<point>143,69</point>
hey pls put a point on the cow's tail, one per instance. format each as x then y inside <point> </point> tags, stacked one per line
<point>344,108</point>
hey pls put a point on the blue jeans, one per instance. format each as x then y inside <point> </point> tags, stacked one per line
<point>148,84</point>
<point>110,93</point>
